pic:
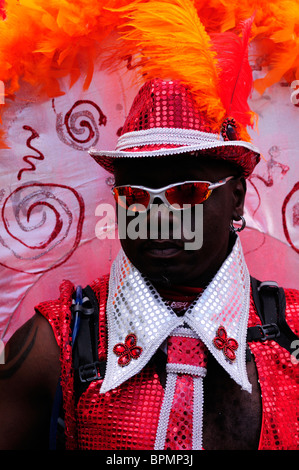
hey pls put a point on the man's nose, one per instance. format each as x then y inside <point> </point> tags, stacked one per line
<point>163,222</point>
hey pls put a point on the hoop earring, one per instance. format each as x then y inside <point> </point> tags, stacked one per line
<point>238,229</point>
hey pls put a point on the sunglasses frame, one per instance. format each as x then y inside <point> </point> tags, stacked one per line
<point>160,192</point>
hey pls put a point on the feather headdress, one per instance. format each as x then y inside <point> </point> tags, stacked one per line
<point>170,41</point>
<point>44,40</point>
<point>235,77</point>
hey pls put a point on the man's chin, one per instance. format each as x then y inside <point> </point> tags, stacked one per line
<point>164,263</point>
<point>164,276</point>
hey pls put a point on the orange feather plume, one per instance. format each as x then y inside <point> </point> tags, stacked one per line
<point>44,40</point>
<point>169,41</point>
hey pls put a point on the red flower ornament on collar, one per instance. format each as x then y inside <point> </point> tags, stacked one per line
<point>127,350</point>
<point>228,345</point>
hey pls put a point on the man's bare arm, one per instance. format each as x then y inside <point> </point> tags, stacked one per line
<point>28,382</point>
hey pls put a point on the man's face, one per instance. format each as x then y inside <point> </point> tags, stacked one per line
<point>167,261</point>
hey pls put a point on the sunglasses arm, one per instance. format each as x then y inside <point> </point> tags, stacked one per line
<point>221,182</point>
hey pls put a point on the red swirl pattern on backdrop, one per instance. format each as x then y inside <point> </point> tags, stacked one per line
<point>27,158</point>
<point>45,219</point>
<point>79,128</point>
<point>294,216</point>
<point>269,180</point>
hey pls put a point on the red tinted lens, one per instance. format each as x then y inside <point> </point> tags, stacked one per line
<point>134,198</point>
<point>188,193</point>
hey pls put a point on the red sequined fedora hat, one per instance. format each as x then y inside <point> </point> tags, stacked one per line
<point>165,120</point>
<point>196,90</point>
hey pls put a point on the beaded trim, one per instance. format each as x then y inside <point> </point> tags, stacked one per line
<point>165,411</point>
<point>185,332</point>
<point>165,136</point>
<point>186,369</point>
<point>198,413</point>
<point>173,151</point>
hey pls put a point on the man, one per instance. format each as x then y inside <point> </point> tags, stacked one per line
<point>166,302</point>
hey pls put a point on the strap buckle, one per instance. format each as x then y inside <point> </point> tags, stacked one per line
<point>268,285</point>
<point>90,372</point>
<point>269,331</point>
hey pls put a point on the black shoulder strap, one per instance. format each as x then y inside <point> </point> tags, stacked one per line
<point>85,344</point>
<point>270,304</point>
<point>85,329</point>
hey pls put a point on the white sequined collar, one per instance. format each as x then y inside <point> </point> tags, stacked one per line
<point>139,320</point>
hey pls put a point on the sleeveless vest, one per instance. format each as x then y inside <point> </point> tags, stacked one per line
<point>126,418</point>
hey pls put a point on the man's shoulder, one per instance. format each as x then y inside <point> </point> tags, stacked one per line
<point>67,290</point>
<point>100,282</point>
<point>31,346</point>
<point>58,311</point>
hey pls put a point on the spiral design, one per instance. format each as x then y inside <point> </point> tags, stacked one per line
<point>293,219</point>
<point>42,226</point>
<point>80,126</point>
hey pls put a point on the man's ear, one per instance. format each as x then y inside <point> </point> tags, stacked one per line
<point>239,193</point>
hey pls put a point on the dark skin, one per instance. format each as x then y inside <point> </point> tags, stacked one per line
<point>195,267</point>
<point>232,417</point>
<point>28,381</point>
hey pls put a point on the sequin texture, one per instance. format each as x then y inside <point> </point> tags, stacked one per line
<point>169,105</point>
<point>185,352</point>
<point>135,306</point>
<point>279,379</point>
<point>127,417</point>
<point>179,432</point>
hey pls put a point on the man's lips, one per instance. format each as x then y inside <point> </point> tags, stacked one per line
<point>163,248</point>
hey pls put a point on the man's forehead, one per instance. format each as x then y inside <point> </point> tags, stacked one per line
<point>184,166</point>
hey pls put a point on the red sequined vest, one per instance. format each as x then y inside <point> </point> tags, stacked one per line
<point>127,417</point>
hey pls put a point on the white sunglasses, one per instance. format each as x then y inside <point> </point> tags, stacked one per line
<point>175,196</point>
